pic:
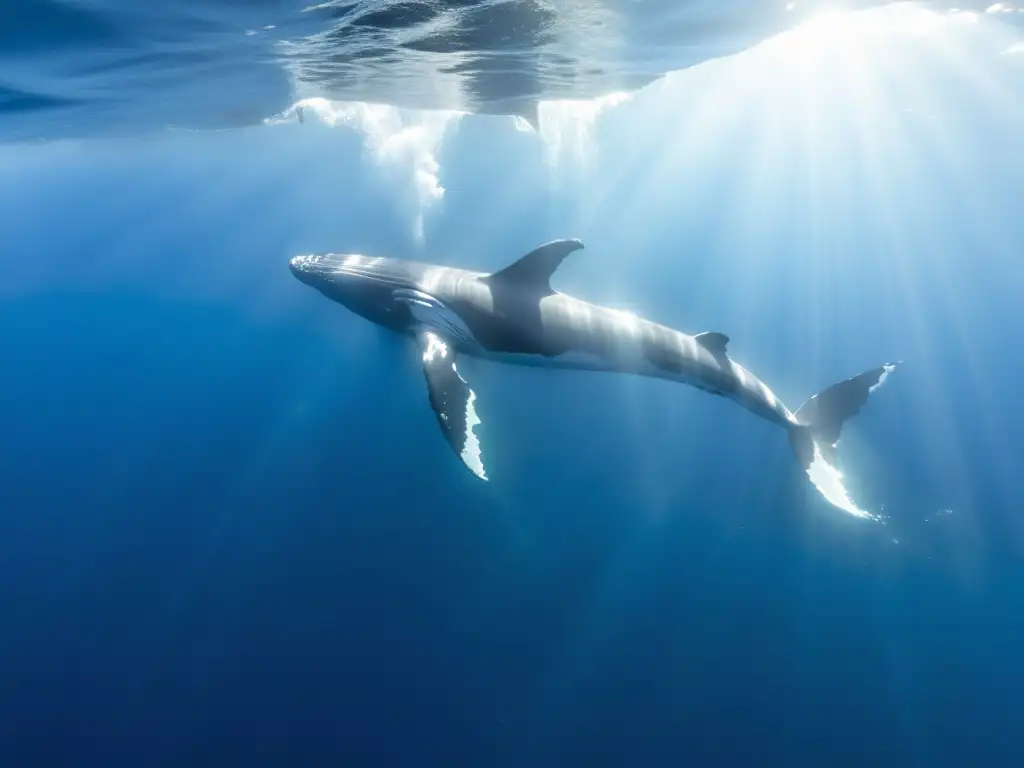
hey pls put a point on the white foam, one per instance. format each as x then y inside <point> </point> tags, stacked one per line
<point>404,142</point>
<point>566,127</point>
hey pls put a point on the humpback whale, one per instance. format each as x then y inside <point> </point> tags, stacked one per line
<point>514,316</point>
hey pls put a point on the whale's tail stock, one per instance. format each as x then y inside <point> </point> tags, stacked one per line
<point>819,423</point>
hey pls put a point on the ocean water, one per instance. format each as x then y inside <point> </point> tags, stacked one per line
<point>100,67</point>
<point>230,530</point>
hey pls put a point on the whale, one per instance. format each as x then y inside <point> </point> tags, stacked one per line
<point>513,316</point>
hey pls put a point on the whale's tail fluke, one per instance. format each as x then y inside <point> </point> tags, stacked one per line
<point>820,421</point>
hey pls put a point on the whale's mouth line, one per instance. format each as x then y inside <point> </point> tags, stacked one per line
<point>322,268</point>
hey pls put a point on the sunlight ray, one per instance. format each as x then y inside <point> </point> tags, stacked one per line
<point>938,141</point>
<point>879,156</point>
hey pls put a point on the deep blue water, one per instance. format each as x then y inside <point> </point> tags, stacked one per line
<point>231,533</point>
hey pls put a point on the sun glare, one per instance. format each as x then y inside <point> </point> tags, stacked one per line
<point>837,31</point>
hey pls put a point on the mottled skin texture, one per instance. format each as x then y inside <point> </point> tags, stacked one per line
<point>514,317</point>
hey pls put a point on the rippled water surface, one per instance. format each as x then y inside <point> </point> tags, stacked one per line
<point>112,66</point>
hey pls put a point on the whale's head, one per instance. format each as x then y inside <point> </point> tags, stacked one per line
<point>365,285</point>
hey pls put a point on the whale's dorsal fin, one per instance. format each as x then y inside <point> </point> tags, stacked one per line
<point>534,270</point>
<point>713,342</point>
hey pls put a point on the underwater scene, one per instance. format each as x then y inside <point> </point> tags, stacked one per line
<point>511,383</point>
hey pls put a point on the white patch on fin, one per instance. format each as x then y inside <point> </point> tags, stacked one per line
<point>434,347</point>
<point>829,482</point>
<point>886,370</point>
<point>471,454</point>
<point>453,400</point>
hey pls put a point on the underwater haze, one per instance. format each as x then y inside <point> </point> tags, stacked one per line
<point>231,532</point>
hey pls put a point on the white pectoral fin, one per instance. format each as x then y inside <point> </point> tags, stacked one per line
<point>452,399</point>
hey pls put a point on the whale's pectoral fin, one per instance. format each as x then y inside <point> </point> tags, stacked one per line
<point>452,399</point>
<point>534,270</point>
<point>713,342</point>
<point>430,313</point>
